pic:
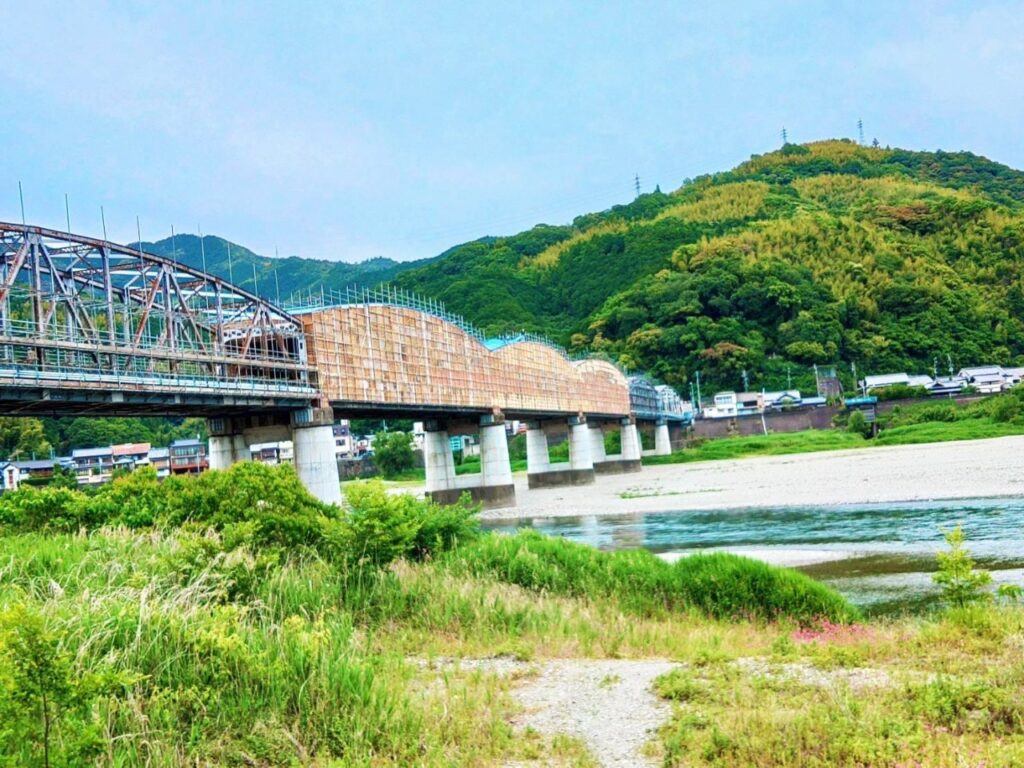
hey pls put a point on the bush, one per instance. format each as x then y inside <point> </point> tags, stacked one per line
<point>381,527</point>
<point>393,453</point>
<point>961,583</point>
<point>720,585</point>
<point>858,425</point>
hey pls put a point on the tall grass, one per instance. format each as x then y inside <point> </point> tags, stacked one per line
<point>721,585</point>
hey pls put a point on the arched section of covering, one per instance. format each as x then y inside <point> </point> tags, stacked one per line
<point>389,356</point>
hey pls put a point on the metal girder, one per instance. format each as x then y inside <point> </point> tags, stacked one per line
<point>71,304</point>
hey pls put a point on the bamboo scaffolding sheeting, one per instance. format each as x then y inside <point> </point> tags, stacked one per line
<point>393,355</point>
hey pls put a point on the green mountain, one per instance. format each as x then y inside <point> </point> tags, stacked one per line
<point>823,253</point>
<point>271,276</point>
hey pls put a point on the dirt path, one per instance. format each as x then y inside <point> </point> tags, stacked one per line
<point>609,705</point>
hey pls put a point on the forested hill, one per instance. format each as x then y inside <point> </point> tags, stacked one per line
<point>267,274</point>
<point>829,252</point>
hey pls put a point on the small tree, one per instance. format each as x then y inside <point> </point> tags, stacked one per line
<point>392,452</point>
<point>858,424</point>
<point>961,583</point>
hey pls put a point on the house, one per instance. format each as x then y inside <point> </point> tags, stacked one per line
<point>281,452</point>
<point>724,405</point>
<point>987,379</point>
<point>344,444</point>
<point>130,455</point>
<point>39,468</point>
<point>93,465</point>
<point>188,457</point>
<point>160,460</point>
<point>947,385</point>
<point>1013,376</point>
<point>749,402</point>
<point>10,476</point>
<point>786,398</point>
<point>883,380</point>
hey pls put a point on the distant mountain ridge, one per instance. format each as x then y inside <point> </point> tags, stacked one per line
<point>271,276</point>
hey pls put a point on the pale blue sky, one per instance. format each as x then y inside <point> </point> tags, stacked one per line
<point>349,130</point>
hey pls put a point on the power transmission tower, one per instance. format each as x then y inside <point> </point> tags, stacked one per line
<point>860,131</point>
<point>785,137</point>
<point>636,184</point>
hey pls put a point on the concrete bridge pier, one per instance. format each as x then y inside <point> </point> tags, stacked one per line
<point>492,487</point>
<point>629,458</point>
<point>311,431</point>
<point>662,439</point>
<point>540,472</point>
<point>315,461</point>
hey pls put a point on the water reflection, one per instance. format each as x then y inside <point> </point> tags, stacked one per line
<point>886,551</point>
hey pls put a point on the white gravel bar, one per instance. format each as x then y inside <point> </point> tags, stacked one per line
<point>930,472</point>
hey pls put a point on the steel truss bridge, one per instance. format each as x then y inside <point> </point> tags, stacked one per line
<point>91,327</point>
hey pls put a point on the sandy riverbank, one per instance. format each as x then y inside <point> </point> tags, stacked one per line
<point>966,469</point>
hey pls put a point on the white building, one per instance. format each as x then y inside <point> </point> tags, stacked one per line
<point>987,379</point>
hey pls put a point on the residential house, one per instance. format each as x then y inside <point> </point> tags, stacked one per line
<point>37,468</point>
<point>93,465</point>
<point>987,379</point>
<point>1013,376</point>
<point>10,476</point>
<point>947,385</point>
<point>281,452</point>
<point>160,460</point>
<point>748,403</point>
<point>786,398</point>
<point>188,457</point>
<point>344,444</point>
<point>724,405</point>
<point>130,455</point>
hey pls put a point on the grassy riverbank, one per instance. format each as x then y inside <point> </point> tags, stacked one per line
<point>232,620</point>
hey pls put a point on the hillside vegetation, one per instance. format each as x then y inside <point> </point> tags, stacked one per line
<point>820,253</point>
<point>829,252</point>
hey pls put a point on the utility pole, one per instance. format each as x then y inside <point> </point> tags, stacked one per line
<point>699,409</point>
<point>231,272</point>
<point>853,370</point>
<point>949,359</point>
<point>789,377</point>
<point>746,382</point>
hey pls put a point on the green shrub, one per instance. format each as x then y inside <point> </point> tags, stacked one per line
<point>961,583</point>
<point>858,424</point>
<point>720,585</point>
<point>1004,409</point>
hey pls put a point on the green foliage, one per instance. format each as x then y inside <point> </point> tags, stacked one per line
<point>47,712</point>
<point>22,437</point>
<point>381,527</point>
<point>720,585</point>
<point>393,452</point>
<point>858,424</point>
<point>961,583</point>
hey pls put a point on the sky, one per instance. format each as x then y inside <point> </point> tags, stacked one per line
<point>348,130</point>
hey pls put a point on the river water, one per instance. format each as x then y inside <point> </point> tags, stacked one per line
<point>881,556</point>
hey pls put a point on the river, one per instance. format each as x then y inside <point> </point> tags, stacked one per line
<point>881,556</point>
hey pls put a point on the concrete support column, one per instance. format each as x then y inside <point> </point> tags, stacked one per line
<point>662,440</point>
<point>495,468</point>
<point>438,461</point>
<point>630,441</point>
<point>580,468</point>
<point>240,447</point>
<point>315,462</point>
<point>580,456</point>
<point>597,452</point>
<point>538,458</point>
<point>222,451</point>
<point>227,443</point>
